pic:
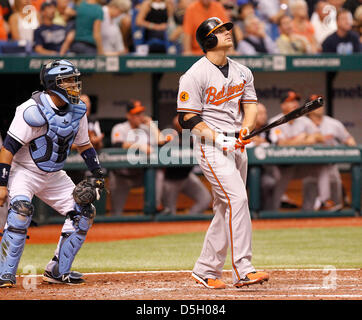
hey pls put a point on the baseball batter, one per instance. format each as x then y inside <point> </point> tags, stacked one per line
<point>31,162</point>
<point>217,102</point>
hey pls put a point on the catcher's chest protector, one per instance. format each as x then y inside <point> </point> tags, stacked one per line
<point>50,151</point>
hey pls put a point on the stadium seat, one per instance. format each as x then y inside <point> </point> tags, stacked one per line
<point>21,47</point>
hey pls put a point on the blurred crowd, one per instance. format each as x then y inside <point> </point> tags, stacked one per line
<point>116,27</point>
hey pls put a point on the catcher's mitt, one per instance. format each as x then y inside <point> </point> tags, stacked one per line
<point>85,193</point>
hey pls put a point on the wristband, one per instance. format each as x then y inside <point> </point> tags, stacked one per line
<point>91,159</point>
<point>4,174</point>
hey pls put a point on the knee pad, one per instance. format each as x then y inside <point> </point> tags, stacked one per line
<point>13,240</point>
<point>71,242</point>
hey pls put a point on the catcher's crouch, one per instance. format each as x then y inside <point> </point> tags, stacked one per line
<point>217,101</point>
<point>31,162</point>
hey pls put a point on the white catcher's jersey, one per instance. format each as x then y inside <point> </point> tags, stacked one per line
<point>204,90</point>
<point>24,133</point>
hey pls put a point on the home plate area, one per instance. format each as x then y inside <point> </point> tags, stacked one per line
<point>284,284</point>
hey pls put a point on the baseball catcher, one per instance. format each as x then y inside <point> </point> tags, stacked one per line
<point>31,161</point>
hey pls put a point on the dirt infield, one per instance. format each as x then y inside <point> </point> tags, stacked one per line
<point>177,285</point>
<point>283,285</point>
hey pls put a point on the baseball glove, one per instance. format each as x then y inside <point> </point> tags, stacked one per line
<point>84,193</point>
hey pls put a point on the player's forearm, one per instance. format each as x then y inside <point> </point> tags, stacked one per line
<point>250,113</point>
<point>81,149</point>
<point>6,156</point>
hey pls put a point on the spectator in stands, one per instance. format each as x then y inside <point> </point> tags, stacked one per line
<point>334,133</point>
<point>49,37</point>
<point>302,25</point>
<point>290,42</point>
<point>64,14</point>
<point>244,10</point>
<point>195,14</point>
<point>338,4</point>
<point>298,132</point>
<point>23,21</point>
<point>256,41</point>
<point>344,40</point>
<point>323,20</point>
<point>176,30</point>
<point>352,5</point>
<point>182,180</point>
<point>154,16</point>
<point>140,133</point>
<point>86,38</point>
<point>6,8</point>
<point>3,26</point>
<point>357,25</point>
<point>111,32</point>
<point>269,12</point>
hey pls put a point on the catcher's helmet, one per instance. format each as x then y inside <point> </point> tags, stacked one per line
<point>205,32</point>
<point>62,78</point>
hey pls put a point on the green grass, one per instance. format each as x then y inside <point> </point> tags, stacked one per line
<point>281,248</point>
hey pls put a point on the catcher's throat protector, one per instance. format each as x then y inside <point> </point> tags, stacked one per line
<point>13,240</point>
<point>205,32</point>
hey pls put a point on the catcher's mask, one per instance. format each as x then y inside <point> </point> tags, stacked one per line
<point>62,78</point>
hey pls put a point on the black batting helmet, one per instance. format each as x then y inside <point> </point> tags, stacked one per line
<point>205,32</point>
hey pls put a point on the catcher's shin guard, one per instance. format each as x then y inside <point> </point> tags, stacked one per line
<point>13,240</point>
<point>71,242</point>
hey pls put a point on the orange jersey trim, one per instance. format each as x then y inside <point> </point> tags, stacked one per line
<point>188,110</point>
<point>230,216</point>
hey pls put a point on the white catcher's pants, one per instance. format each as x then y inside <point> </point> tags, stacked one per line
<point>55,189</point>
<point>231,225</point>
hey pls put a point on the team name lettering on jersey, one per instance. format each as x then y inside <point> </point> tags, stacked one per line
<point>225,94</point>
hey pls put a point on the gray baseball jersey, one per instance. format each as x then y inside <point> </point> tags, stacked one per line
<point>291,129</point>
<point>204,90</point>
<point>335,128</point>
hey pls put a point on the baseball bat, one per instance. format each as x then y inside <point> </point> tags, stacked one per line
<point>308,107</point>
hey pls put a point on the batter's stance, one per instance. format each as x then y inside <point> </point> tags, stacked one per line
<point>217,101</point>
<point>31,162</point>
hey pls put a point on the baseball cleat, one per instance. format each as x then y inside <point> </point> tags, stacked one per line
<point>72,278</point>
<point>252,278</point>
<point>7,280</point>
<point>209,283</point>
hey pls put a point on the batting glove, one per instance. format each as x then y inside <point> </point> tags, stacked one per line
<point>226,144</point>
<point>242,142</point>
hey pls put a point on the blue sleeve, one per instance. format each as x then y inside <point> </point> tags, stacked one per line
<point>11,144</point>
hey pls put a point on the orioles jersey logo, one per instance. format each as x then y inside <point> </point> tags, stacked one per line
<point>225,94</point>
<point>184,96</point>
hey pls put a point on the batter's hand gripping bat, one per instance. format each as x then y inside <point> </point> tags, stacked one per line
<point>308,107</point>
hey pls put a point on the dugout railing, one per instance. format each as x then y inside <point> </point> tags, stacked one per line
<point>114,158</point>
